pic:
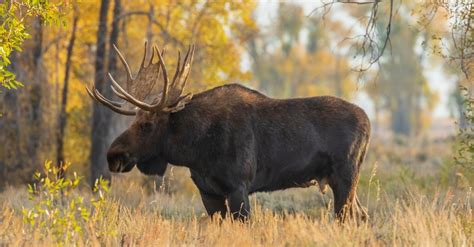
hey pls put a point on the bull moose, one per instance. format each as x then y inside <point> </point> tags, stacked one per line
<point>235,140</point>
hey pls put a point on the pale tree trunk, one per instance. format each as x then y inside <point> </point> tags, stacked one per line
<point>401,117</point>
<point>101,115</point>
<point>417,120</point>
<point>257,65</point>
<point>377,110</point>
<point>460,106</point>
<point>337,77</point>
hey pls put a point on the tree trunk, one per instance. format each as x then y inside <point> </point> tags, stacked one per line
<point>114,33</point>
<point>119,121</point>
<point>62,118</point>
<point>459,98</point>
<point>417,110</point>
<point>10,131</point>
<point>149,28</point>
<point>337,77</point>
<point>101,115</point>
<point>257,70</point>
<point>401,117</point>
<point>36,96</point>
<point>376,122</point>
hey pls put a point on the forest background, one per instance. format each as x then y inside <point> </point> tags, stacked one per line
<point>407,63</point>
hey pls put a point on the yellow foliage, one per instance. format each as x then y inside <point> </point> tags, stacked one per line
<point>218,29</point>
<point>313,74</point>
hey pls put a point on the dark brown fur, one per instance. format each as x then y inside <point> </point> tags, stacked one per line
<point>236,141</point>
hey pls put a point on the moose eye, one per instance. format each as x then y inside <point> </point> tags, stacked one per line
<point>146,127</point>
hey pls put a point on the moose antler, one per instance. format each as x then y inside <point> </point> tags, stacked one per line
<point>139,88</point>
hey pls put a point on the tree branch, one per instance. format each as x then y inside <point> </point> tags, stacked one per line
<point>163,29</point>
<point>370,43</point>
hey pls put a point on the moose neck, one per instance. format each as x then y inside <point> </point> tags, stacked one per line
<point>177,147</point>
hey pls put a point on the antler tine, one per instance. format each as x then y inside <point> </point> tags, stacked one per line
<point>130,98</point>
<point>118,94</point>
<point>178,77</point>
<point>187,55</point>
<point>89,92</point>
<point>115,103</point>
<point>124,62</point>
<point>187,67</point>
<point>152,56</point>
<point>177,68</point>
<point>110,104</point>
<point>102,97</point>
<point>165,80</point>
<point>142,65</point>
<point>190,62</point>
<point>106,102</point>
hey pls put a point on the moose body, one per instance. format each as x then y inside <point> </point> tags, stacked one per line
<point>237,141</point>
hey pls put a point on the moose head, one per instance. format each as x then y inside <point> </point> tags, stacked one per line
<point>140,143</point>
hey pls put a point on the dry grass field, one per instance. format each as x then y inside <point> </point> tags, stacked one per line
<point>413,195</point>
<point>258,69</point>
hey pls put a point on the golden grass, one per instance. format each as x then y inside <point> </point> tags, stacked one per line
<point>406,220</point>
<point>411,202</point>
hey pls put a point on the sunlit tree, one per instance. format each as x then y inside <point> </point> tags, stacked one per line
<point>287,63</point>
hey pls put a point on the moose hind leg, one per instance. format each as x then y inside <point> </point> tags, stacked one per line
<point>214,204</point>
<point>343,183</point>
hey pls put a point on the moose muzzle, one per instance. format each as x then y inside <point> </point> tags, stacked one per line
<point>120,161</point>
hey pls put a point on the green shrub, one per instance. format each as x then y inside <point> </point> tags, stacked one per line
<point>13,30</point>
<point>57,209</point>
<point>464,148</point>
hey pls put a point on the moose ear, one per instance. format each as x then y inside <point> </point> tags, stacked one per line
<point>180,104</point>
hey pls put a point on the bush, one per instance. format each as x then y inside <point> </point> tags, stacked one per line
<point>58,210</point>
<point>464,148</point>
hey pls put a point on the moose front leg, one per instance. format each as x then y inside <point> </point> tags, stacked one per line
<point>214,204</point>
<point>238,203</point>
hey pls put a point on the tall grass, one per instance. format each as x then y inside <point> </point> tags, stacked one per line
<point>411,220</point>
<point>408,203</point>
